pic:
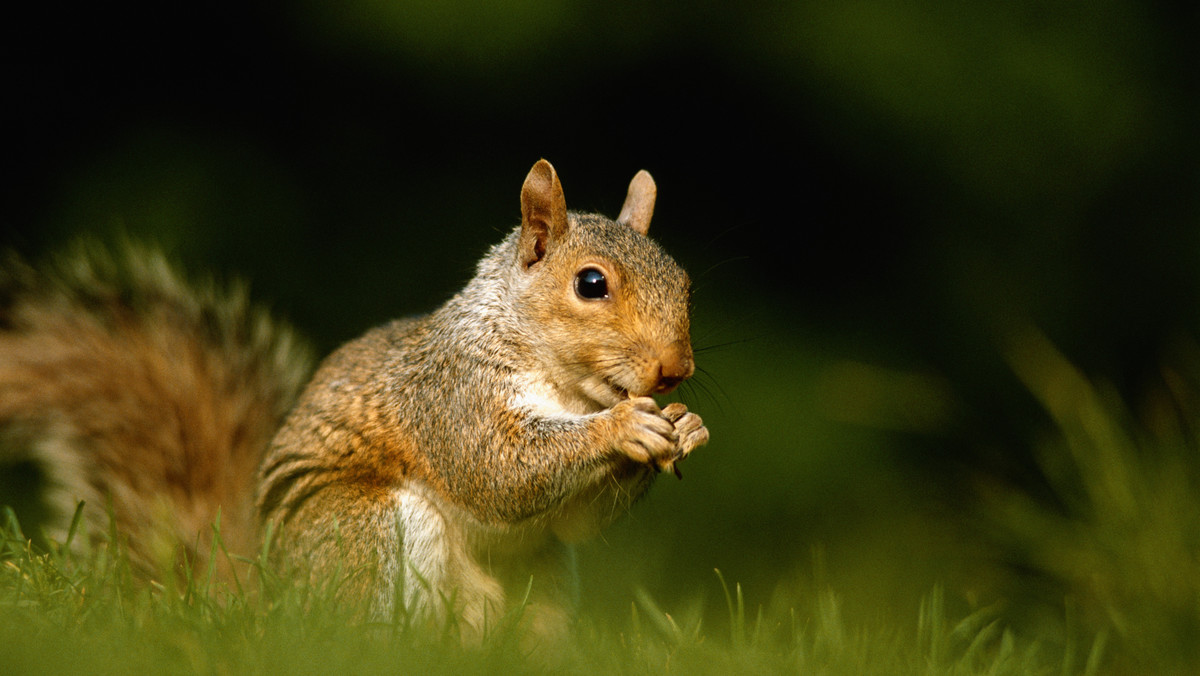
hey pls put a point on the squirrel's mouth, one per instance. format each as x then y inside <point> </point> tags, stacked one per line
<point>608,391</point>
<point>614,393</point>
<point>621,393</point>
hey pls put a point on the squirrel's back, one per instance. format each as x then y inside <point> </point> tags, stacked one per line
<point>150,399</point>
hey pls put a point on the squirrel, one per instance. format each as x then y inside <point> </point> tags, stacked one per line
<point>439,462</point>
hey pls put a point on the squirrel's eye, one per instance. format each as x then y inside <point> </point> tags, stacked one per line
<point>590,284</point>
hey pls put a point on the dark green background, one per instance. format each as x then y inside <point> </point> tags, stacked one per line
<point>870,196</point>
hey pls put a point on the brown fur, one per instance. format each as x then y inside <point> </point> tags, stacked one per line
<point>464,448</point>
<point>143,395</point>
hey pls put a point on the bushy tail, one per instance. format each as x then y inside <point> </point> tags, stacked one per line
<point>150,399</point>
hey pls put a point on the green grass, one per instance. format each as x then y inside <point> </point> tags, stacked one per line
<point>77,609</point>
<point>1121,540</point>
<point>1098,573</point>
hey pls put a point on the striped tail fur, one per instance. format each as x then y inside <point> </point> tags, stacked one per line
<point>149,399</point>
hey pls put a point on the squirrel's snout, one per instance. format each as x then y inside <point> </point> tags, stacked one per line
<point>675,366</point>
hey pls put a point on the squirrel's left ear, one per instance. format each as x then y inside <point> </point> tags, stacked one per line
<point>543,213</point>
<point>639,202</point>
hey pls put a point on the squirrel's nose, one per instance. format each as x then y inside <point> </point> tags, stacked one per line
<point>675,366</point>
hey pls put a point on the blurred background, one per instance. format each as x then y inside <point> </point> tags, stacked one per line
<point>902,219</point>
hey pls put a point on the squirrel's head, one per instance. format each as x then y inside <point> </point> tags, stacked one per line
<point>610,307</point>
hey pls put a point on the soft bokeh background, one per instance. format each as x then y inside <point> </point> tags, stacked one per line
<point>876,201</point>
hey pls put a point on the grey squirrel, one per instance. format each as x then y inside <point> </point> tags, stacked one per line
<point>438,461</point>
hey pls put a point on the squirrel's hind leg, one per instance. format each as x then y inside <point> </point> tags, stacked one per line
<point>441,581</point>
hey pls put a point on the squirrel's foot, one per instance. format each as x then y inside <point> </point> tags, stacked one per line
<point>690,430</point>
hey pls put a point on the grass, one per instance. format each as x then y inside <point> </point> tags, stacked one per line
<point>71,609</point>
<point>1099,573</point>
<point>1121,537</point>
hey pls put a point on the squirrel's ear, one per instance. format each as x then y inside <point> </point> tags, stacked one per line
<point>639,202</point>
<point>543,213</point>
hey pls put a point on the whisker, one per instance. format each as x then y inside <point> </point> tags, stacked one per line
<point>710,388</point>
<point>597,362</point>
<point>718,264</point>
<point>728,343</point>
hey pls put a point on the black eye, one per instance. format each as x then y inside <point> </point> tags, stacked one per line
<point>591,284</point>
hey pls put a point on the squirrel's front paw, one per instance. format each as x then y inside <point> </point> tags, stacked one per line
<point>688,427</point>
<point>644,434</point>
<point>690,430</point>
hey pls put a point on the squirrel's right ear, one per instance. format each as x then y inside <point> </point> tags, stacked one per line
<point>639,202</point>
<point>543,213</point>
